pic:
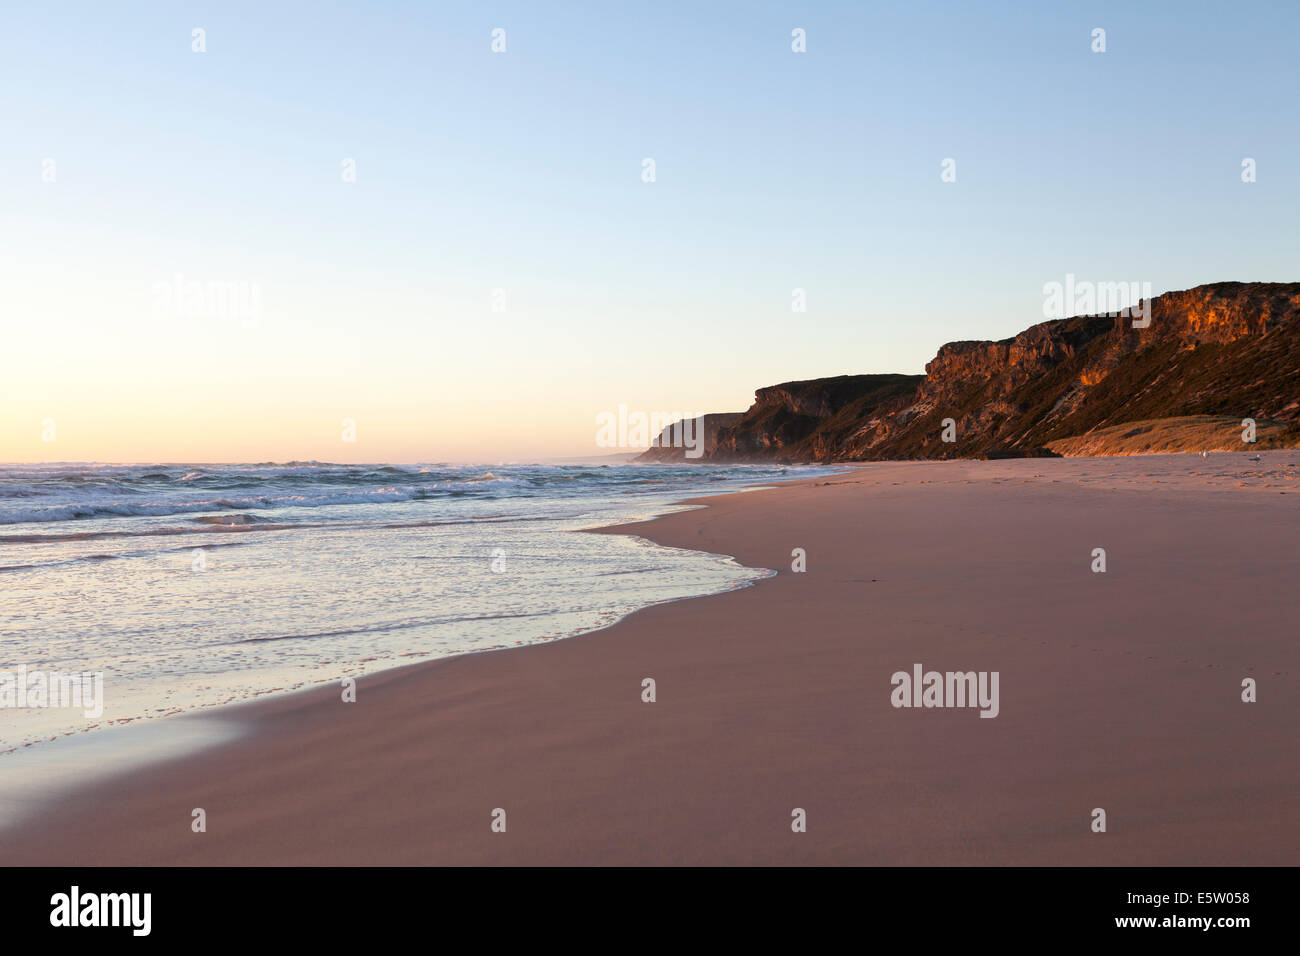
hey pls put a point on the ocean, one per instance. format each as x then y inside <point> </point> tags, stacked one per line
<point>190,586</point>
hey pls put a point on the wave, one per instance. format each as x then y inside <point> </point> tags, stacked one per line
<point>150,532</point>
<point>39,494</point>
<point>156,509</point>
<point>231,519</point>
<point>22,491</point>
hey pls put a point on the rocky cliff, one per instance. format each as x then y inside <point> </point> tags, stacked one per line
<point>1229,351</point>
<point>811,420</point>
<point>671,443</point>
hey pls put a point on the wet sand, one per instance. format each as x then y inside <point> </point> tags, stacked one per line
<point>1118,690</point>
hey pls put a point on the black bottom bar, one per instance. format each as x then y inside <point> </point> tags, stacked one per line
<point>330,905</point>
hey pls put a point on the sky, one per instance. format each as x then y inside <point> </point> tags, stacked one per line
<point>187,273</point>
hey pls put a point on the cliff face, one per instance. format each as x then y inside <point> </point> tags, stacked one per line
<point>669,446</point>
<point>808,420</point>
<point>1230,350</point>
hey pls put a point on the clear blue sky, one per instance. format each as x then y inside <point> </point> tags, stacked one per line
<point>522,171</point>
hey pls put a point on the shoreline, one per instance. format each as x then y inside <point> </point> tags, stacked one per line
<point>776,697</point>
<point>145,742</point>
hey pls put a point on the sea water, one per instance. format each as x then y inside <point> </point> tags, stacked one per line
<point>191,586</point>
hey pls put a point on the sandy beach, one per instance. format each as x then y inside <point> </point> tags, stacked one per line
<point>1119,690</point>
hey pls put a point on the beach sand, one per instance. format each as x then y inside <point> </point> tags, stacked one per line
<point>1119,691</point>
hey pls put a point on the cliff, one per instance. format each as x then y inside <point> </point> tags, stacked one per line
<point>668,444</point>
<point>1217,353</point>
<point>811,420</point>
